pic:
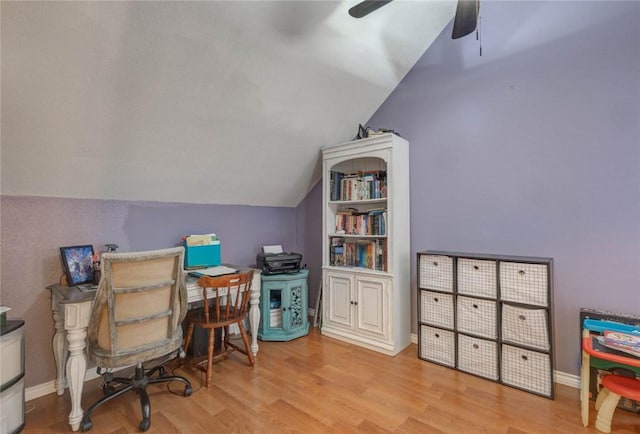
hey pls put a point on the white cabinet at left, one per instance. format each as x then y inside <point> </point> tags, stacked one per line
<point>12,377</point>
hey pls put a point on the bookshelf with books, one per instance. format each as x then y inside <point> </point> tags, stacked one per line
<point>366,257</point>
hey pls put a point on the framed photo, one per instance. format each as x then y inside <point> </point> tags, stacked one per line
<point>78,264</point>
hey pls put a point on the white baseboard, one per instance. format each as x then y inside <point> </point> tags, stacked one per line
<point>50,386</point>
<point>39,390</point>
<point>43,389</point>
<point>566,379</point>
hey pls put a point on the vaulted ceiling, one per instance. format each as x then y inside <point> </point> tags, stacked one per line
<point>224,102</point>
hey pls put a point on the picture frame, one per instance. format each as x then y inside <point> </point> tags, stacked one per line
<point>78,264</point>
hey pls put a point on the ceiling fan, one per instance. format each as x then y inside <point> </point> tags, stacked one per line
<point>464,22</point>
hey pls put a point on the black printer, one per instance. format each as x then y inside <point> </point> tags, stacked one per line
<point>277,263</point>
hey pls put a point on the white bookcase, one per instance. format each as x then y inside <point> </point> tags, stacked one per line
<point>366,247</point>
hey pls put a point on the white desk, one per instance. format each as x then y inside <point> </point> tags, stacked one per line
<point>71,312</point>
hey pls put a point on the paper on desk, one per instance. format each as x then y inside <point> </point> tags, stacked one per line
<point>218,270</point>
<point>201,240</point>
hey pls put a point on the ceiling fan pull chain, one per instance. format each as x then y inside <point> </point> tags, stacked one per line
<point>479,34</point>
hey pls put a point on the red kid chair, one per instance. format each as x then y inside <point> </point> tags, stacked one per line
<point>614,388</point>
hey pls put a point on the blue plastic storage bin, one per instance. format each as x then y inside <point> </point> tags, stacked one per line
<point>202,256</point>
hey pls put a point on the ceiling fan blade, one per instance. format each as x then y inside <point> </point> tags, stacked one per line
<point>366,7</point>
<point>466,18</point>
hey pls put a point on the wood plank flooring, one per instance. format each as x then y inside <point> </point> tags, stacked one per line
<point>316,384</point>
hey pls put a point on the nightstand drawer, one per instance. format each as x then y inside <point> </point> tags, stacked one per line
<point>528,327</point>
<point>437,345</point>
<point>528,370</point>
<point>478,356</point>
<point>436,308</point>
<point>524,283</point>
<point>477,277</point>
<point>477,317</point>
<point>436,272</point>
<point>12,404</point>
<point>11,355</point>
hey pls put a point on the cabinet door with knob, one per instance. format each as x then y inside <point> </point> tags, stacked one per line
<point>358,305</point>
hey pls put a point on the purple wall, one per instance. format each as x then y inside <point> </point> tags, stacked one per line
<point>309,217</point>
<point>33,228</point>
<point>533,149</point>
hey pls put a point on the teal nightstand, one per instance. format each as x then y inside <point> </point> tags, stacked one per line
<point>283,306</point>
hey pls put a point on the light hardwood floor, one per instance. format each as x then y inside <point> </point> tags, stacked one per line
<point>315,384</point>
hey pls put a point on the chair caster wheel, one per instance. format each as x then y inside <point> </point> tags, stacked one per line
<point>108,390</point>
<point>188,390</point>
<point>144,424</point>
<point>86,424</point>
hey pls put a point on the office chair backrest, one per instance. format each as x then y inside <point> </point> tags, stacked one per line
<point>231,297</point>
<point>140,303</point>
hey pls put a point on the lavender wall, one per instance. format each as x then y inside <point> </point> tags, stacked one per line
<point>533,149</point>
<point>309,216</point>
<point>33,228</point>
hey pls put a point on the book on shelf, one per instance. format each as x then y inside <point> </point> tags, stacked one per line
<point>370,254</point>
<point>347,211</point>
<point>334,187</point>
<point>625,342</point>
<point>357,185</point>
<point>352,222</point>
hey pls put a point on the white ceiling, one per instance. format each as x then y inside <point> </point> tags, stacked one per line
<point>198,102</point>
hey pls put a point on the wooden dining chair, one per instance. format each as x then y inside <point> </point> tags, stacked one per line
<point>226,302</point>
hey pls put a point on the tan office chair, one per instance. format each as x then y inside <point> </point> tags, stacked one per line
<point>226,302</point>
<point>140,303</point>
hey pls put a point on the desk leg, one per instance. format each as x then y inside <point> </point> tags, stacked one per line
<point>76,323</point>
<point>584,387</point>
<point>254,318</point>
<point>60,350</point>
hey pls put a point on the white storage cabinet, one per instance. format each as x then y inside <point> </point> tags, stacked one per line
<point>366,258</point>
